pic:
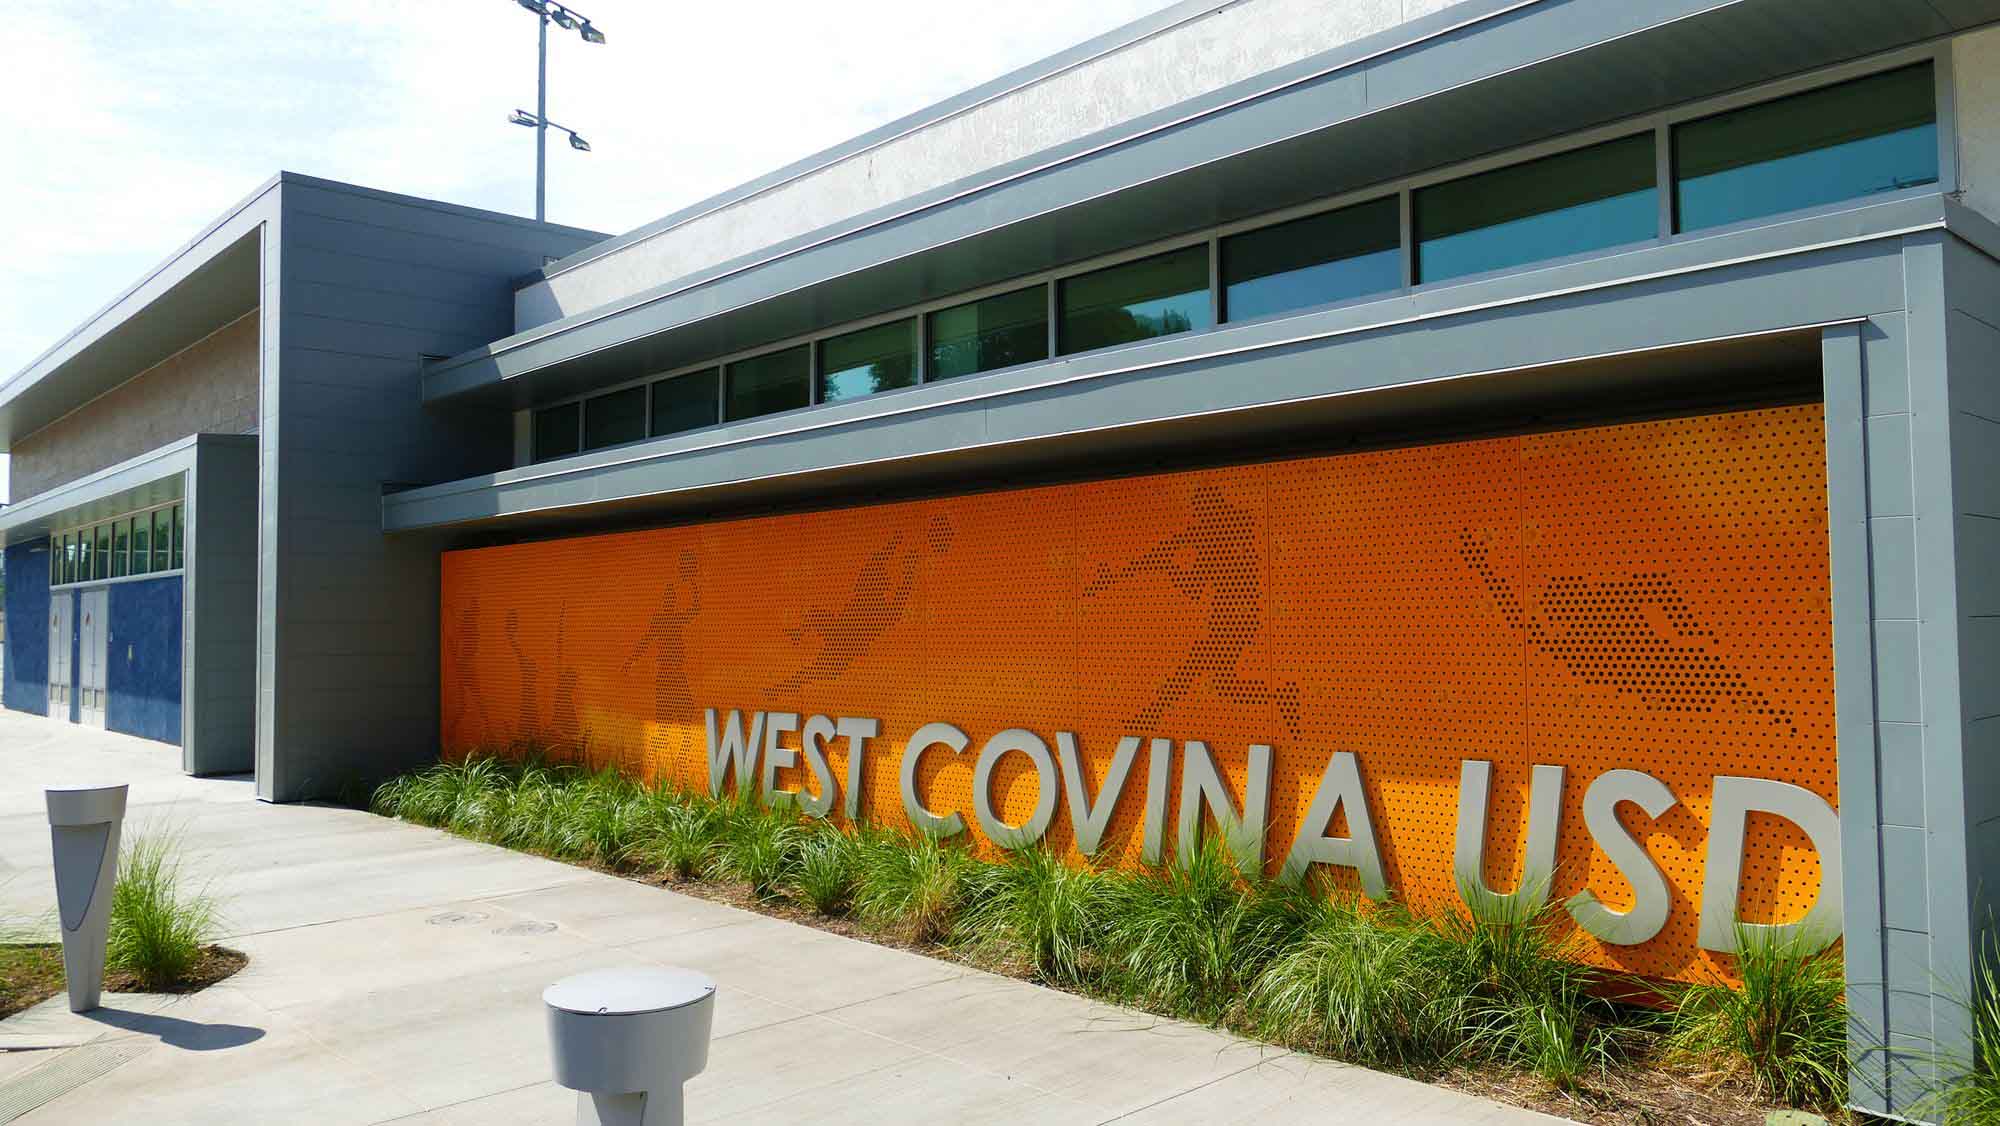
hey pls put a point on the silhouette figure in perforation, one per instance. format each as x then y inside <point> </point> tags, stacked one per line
<point>878,600</point>
<point>666,636</point>
<point>465,651</point>
<point>1216,555</point>
<point>1608,633</point>
<point>529,720</point>
<point>563,723</point>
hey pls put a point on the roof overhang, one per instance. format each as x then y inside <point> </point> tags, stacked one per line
<point>154,477</point>
<point>1477,78</point>
<point>1684,320</point>
<point>207,283</point>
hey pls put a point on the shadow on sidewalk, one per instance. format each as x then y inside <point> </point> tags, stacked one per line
<point>188,1035</point>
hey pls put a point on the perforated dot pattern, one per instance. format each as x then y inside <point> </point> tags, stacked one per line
<point>1651,596</point>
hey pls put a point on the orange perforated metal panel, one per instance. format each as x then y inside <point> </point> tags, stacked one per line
<point>1651,596</point>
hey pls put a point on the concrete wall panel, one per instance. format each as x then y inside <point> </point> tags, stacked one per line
<point>1976,89</point>
<point>209,387</point>
<point>1224,45</point>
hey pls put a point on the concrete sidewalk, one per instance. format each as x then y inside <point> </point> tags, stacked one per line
<point>396,973</point>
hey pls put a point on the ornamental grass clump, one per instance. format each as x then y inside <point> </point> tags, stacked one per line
<point>1190,938</point>
<point>1350,986</point>
<point>910,883</point>
<point>593,816</point>
<point>678,834</point>
<point>1513,988</point>
<point>447,795</point>
<point>158,925</point>
<point>1783,1031</point>
<point>1036,911</point>
<point>758,846</point>
<point>1973,1095</point>
<point>828,869</point>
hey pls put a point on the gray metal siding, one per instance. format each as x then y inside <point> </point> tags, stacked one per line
<point>1972,329</point>
<point>348,654</point>
<point>221,629</point>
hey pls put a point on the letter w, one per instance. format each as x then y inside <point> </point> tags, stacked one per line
<point>732,748</point>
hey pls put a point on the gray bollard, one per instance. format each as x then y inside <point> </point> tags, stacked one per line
<point>83,826</point>
<point>626,1040</point>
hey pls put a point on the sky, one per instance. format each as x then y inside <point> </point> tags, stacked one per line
<point>133,124</point>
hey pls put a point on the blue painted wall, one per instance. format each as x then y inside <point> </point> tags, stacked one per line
<point>26,684</point>
<point>142,675</point>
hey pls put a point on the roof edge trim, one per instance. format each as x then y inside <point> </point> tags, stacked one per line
<point>1090,50</point>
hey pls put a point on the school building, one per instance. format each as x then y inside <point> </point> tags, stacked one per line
<point>1551,445</point>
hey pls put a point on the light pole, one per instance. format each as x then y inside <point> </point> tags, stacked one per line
<point>569,19</point>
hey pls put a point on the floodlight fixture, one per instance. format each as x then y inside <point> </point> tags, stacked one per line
<point>547,12</point>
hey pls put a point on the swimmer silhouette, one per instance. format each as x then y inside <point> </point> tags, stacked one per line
<point>1608,633</point>
<point>680,603</point>
<point>530,721</point>
<point>465,652</point>
<point>879,599</point>
<point>1216,555</point>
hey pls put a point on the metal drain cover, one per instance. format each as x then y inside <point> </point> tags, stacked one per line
<point>65,1072</point>
<point>522,930</point>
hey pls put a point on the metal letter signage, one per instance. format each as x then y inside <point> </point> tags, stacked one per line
<point>1586,671</point>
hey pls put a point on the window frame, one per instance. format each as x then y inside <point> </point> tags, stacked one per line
<point>926,332</point>
<point>1669,154</point>
<point>1659,122</point>
<point>67,557</point>
<point>583,418</point>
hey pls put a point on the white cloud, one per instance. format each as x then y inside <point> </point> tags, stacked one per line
<point>134,123</point>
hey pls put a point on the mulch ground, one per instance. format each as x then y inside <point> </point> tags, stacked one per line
<point>30,973</point>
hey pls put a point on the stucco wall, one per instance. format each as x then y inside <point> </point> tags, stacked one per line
<point>1219,48</point>
<point>209,387</point>
<point>1975,66</point>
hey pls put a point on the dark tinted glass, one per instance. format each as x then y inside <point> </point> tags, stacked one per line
<point>765,384</point>
<point>1156,296</point>
<point>142,545</point>
<point>163,538</point>
<point>1312,261</point>
<point>180,533</point>
<point>83,554</point>
<point>871,360</point>
<point>555,431</point>
<point>685,402</point>
<point>614,418</point>
<point>1876,134</point>
<point>1570,203</point>
<point>121,537</point>
<point>997,332</point>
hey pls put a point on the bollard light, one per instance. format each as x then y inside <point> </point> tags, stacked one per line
<point>84,825</point>
<point>627,1039</point>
